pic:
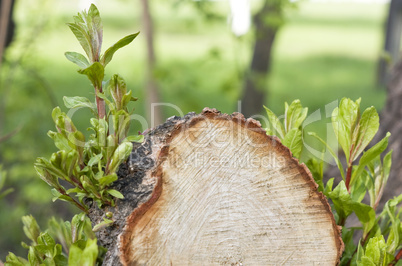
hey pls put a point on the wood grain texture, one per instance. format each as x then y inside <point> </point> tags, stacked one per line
<point>225,193</point>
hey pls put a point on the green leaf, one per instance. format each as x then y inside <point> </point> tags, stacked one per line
<point>95,28</point>
<point>61,230</point>
<point>13,260</point>
<point>344,120</point>
<point>103,224</point>
<point>77,226</point>
<point>338,162</point>
<point>48,172</point>
<point>103,128</point>
<point>46,245</point>
<point>33,258</point>
<point>387,162</point>
<point>360,252</point>
<point>95,74</point>
<point>95,159</point>
<point>107,57</point>
<point>60,140</point>
<point>58,196</point>
<point>341,200</point>
<point>117,89</point>
<point>83,38</point>
<point>90,253</point>
<point>328,187</point>
<point>276,124</point>
<point>61,260</point>
<point>134,138</point>
<point>77,101</point>
<point>127,98</point>
<point>350,247</point>
<point>107,180</point>
<point>77,140</point>
<point>78,59</point>
<point>294,115</point>
<point>367,128</point>
<point>370,155</point>
<point>120,155</point>
<point>75,255</point>
<point>293,140</point>
<point>344,206</point>
<point>375,251</point>
<point>115,193</point>
<point>31,227</point>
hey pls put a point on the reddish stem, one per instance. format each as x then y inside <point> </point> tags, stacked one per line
<point>76,203</point>
<point>362,242</point>
<point>397,258</point>
<point>348,177</point>
<point>100,104</point>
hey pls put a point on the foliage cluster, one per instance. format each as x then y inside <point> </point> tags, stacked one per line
<point>366,173</point>
<point>63,243</point>
<point>90,166</point>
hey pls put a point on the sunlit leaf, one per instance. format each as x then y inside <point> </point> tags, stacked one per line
<point>367,128</point>
<point>78,101</point>
<point>344,206</point>
<point>115,193</point>
<point>95,159</point>
<point>78,59</point>
<point>370,155</point>
<point>293,140</point>
<point>103,224</point>
<point>96,28</point>
<point>375,253</point>
<point>276,124</point>
<point>107,180</point>
<point>31,227</point>
<point>13,260</point>
<point>120,154</point>
<point>107,57</point>
<point>294,115</point>
<point>95,74</point>
<point>83,38</point>
<point>344,120</point>
<point>135,138</point>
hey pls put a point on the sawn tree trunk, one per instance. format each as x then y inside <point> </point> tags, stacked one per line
<point>214,189</point>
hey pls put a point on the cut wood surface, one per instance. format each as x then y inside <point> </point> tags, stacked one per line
<point>216,190</point>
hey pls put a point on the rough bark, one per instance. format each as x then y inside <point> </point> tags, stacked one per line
<point>392,42</point>
<point>215,189</point>
<point>391,121</point>
<point>254,94</point>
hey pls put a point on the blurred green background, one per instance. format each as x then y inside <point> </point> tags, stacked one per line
<point>323,52</point>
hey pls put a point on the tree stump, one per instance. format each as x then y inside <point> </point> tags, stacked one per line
<point>214,189</point>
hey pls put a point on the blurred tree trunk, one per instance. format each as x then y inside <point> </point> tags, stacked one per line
<point>391,121</point>
<point>7,26</point>
<point>392,41</point>
<point>255,92</point>
<point>152,95</point>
